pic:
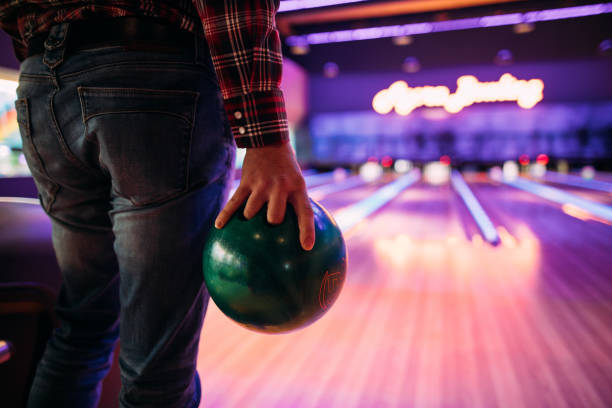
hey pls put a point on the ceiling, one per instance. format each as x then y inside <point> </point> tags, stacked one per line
<point>567,39</point>
<point>291,22</point>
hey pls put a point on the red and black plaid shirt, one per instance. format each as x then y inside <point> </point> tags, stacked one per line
<point>242,36</point>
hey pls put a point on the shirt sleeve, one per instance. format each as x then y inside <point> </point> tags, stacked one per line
<point>246,53</point>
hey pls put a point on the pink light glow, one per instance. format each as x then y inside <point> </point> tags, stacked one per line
<point>386,161</point>
<point>404,99</point>
<point>524,160</point>
<point>542,159</point>
<point>290,5</point>
<point>445,160</point>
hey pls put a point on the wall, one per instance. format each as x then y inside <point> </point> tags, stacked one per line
<point>574,120</point>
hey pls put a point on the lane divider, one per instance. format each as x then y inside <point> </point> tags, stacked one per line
<point>575,181</point>
<point>317,193</point>
<point>352,215</point>
<point>599,211</point>
<point>473,205</point>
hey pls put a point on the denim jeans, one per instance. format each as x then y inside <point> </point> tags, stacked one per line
<point>132,156</point>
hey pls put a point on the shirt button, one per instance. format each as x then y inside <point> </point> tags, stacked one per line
<point>238,115</point>
<point>241,130</point>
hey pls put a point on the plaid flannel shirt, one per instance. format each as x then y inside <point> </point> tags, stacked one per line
<point>242,36</point>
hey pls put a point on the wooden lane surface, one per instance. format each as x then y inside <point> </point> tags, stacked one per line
<point>224,348</point>
<point>355,355</point>
<point>449,358</point>
<point>431,316</point>
<point>569,313</point>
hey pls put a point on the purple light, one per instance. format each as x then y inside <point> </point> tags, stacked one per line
<point>360,34</point>
<point>454,25</point>
<point>451,25</point>
<point>502,20</point>
<point>291,5</point>
<point>567,12</point>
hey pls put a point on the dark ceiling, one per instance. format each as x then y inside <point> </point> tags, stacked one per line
<point>569,39</point>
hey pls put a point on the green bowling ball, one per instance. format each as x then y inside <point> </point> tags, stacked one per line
<point>259,275</point>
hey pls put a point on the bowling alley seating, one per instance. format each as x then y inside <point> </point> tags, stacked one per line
<point>26,251</point>
<point>26,321</point>
<point>29,283</point>
<point>19,186</point>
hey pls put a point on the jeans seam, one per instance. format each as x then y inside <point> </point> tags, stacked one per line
<point>188,155</point>
<point>150,92</point>
<point>177,328</point>
<point>181,117</point>
<point>84,91</point>
<point>91,299</point>
<point>157,203</point>
<point>154,202</point>
<point>24,77</point>
<point>62,142</point>
<point>28,135</point>
<point>52,195</point>
<point>179,66</point>
<point>85,227</point>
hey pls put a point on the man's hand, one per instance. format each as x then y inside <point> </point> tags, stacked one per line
<point>271,174</point>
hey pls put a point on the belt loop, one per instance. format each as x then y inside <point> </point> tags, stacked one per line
<point>55,45</point>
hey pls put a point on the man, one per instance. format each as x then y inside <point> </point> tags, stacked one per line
<point>125,110</point>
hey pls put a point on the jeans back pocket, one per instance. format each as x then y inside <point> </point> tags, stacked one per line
<point>144,138</point>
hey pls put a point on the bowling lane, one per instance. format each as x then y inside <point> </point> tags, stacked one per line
<point>387,328</point>
<point>569,246</point>
<point>568,312</point>
<point>457,322</point>
<point>432,316</point>
<point>241,368</point>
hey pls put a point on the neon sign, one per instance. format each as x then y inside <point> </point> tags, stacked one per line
<point>404,99</point>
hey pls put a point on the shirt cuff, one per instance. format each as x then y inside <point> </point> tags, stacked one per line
<point>258,118</point>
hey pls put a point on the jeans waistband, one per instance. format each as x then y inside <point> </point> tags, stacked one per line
<point>138,33</point>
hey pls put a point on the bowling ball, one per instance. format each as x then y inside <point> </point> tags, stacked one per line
<point>258,274</point>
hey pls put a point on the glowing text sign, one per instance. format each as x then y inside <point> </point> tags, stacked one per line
<point>404,99</point>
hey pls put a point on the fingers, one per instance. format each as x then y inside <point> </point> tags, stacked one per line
<point>277,203</point>
<point>256,200</point>
<point>232,205</point>
<point>276,208</point>
<point>305,215</point>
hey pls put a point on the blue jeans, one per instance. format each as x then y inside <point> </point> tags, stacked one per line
<point>132,157</point>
